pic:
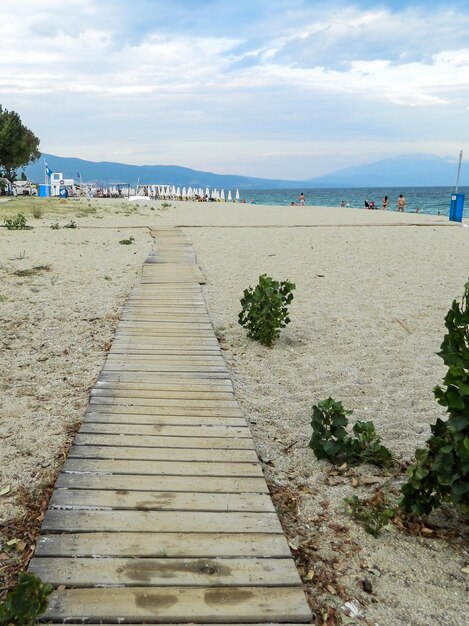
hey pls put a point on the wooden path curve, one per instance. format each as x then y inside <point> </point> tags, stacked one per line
<point>161,513</point>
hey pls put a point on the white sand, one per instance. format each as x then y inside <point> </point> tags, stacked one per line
<point>367,319</point>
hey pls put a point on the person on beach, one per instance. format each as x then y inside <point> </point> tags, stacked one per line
<point>401,203</point>
<point>385,203</point>
<point>302,199</point>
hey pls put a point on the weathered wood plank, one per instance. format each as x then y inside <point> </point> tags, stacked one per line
<point>141,400</point>
<point>152,441</point>
<point>120,391</point>
<point>162,454</point>
<point>160,605</point>
<point>166,572</point>
<point>101,417</point>
<point>137,482</point>
<point>202,387</point>
<point>170,431</point>
<point>162,468</point>
<point>160,521</point>
<point>119,499</point>
<point>154,545</point>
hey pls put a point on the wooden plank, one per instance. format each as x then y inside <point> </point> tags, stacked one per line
<point>141,400</point>
<point>163,605</point>
<point>197,386</point>
<point>163,420</point>
<point>152,441</point>
<point>120,408</point>
<point>122,392</point>
<point>159,500</point>
<point>158,377</point>
<point>170,431</point>
<point>162,468</point>
<point>162,454</point>
<point>171,545</point>
<point>160,521</point>
<point>166,572</point>
<point>136,482</point>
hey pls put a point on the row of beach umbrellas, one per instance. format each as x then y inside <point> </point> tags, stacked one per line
<point>168,191</point>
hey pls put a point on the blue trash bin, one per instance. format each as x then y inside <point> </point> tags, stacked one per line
<point>43,191</point>
<point>456,207</point>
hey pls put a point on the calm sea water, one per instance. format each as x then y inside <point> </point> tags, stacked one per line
<point>429,199</point>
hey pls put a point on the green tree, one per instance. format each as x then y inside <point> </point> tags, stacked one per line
<point>18,145</point>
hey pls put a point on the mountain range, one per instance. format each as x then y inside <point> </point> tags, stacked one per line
<point>415,170</point>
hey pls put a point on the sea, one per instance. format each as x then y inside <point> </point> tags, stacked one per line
<point>430,200</point>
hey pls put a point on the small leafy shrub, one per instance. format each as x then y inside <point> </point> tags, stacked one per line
<point>441,469</point>
<point>330,440</point>
<point>71,224</point>
<point>37,212</point>
<point>25,602</point>
<point>166,205</point>
<point>17,223</point>
<point>127,242</point>
<point>55,226</point>
<point>265,309</point>
<point>372,514</point>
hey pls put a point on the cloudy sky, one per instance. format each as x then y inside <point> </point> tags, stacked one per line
<point>272,88</point>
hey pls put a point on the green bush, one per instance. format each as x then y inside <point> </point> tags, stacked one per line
<point>441,469</point>
<point>25,602</point>
<point>372,514</point>
<point>17,223</point>
<point>330,440</point>
<point>265,309</point>
<point>71,224</point>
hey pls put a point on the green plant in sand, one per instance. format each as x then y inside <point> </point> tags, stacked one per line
<point>441,469</point>
<point>331,441</point>
<point>127,242</point>
<point>17,223</point>
<point>265,309</point>
<point>25,602</point>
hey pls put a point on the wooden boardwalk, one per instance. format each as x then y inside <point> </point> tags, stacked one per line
<point>161,513</point>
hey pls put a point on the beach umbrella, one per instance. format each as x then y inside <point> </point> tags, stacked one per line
<point>222,195</point>
<point>174,191</point>
<point>230,199</point>
<point>184,192</point>
<point>190,193</point>
<point>237,195</point>
<point>207,192</point>
<point>178,192</point>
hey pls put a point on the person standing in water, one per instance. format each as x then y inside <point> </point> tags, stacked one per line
<point>302,199</point>
<point>385,203</point>
<point>401,203</point>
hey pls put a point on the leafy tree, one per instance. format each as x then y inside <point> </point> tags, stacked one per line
<point>18,145</point>
<point>441,470</point>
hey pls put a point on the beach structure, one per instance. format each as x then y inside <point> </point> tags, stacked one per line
<point>161,513</point>
<point>61,186</point>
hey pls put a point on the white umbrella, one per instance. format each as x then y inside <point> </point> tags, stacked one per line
<point>190,193</point>
<point>173,191</point>
<point>207,192</point>
<point>230,199</point>
<point>178,192</point>
<point>237,195</point>
<point>184,193</point>
<point>222,195</point>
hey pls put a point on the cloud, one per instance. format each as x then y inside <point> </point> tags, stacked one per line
<point>206,73</point>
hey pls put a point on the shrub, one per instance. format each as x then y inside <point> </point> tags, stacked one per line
<point>55,226</point>
<point>330,440</point>
<point>17,223</point>
<point>127,242</point>
<point>25,602</point>
<point>441,469</point>
<point>37,212</point>
<point>71,224</point>
<point>265,309</point>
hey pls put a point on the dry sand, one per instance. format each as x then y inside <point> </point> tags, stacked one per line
<point>372,290</point>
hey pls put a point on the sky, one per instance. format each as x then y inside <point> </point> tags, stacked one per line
<point>288,89</point>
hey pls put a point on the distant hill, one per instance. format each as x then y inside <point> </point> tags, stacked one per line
<point>415,170</point>
<point>107,172</point>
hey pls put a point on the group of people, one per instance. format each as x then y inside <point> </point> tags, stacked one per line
<point>401,202</point>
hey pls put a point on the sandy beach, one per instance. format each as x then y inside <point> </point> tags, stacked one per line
<point>372,290</point>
